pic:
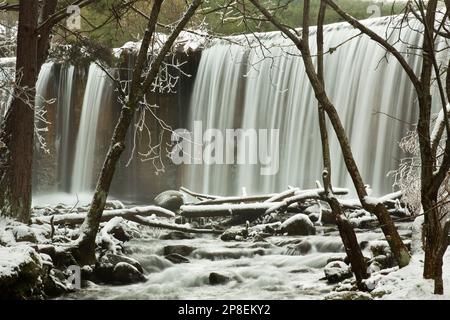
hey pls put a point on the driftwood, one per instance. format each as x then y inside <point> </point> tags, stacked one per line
<point>170,226</point>
<point>273,197</point>
<point>197,195</point>
<point>78,218</point>
<point>224,210</point>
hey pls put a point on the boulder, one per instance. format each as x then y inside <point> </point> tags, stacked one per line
<point>337,271</point>
<point>216,278</point>
<point>233,233</point>
<point>176,258</point>
<point>170,199</point>
<point>298,225</point>
<point>125,273</point>
<point>180,249</point>
<point>328,217</point>
<point>21,271</point>
<point>176,235</point>
<point>23,233</point>
<point>114,259</point>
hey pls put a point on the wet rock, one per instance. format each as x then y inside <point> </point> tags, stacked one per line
<point>103,272</point>
<point>299,249</point>
<point>54,287</point>
<point>114,259</point>
<point>233,233</point>
<point>21,271</point>
<point>314,217</point>
<point>298,225</point>
<point>176,235</point>
<point>170,199</point>
<point>180,249</point>
<point>337,271</point>
<point>216,278</point>
<point>176,258</point>
<point>328,217</point>
<point>125,273</point>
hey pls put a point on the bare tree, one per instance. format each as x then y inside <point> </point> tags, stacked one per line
<point>396,244</point>
<point>36,21</point>
<point>434,160</point>
<point>145,72</point>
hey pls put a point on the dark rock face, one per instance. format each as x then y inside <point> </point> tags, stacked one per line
<point>182,250</point>
<point>176,258</point>
<point>170,199</point>
<point>125,273</point>
<point>216,278</point>
<point>298,225</point>
<point>176,235</point>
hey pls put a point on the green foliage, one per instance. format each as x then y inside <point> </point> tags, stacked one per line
<point>109,24</point>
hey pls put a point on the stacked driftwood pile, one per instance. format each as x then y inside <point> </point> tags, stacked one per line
<point>172,211</point>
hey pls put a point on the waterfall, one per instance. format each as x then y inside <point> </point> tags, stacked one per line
<point>98,90</point>
<point>64,124</point>
<point>255,88</point>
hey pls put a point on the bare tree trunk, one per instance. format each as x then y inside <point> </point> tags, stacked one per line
<point>348,236</point>
<point>89,228</point>
<point>397,246</point>
<point>16,149</point>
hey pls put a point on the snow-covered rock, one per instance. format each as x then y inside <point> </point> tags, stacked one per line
<point>21,272</point>
<point>298,225</point>
<point>337,271</point>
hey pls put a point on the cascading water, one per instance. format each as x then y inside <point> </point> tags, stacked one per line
<point>98,91</point>
<point>374,98</point>
<point>65,111</point>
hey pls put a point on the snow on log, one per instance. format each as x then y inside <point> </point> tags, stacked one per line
<point>170,226</point>
<point>197,195</point>
<point>274,197</point>
<point>223,210</point>
<point>77,218</point>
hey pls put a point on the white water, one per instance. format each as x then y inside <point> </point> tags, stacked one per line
<point>98,90</point>
<point>369,93</point>
<point>65,90</point>
<point>259,270</point>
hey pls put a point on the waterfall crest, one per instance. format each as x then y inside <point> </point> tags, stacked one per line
<point>372,93</point>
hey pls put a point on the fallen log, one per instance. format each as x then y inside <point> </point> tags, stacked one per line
<point>78,218</point>
<point>170,226</point>
<point>197,195</point>
<point>273,197</point>
<point>224,210</point>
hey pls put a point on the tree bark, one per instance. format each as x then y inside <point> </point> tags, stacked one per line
<point>16,151</point>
